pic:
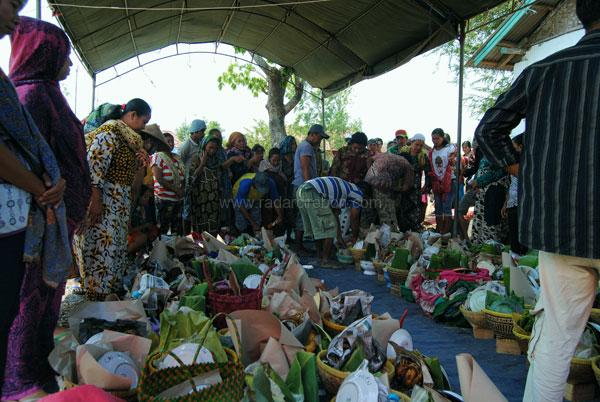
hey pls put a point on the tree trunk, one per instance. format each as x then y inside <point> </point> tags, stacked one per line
<point>276,107</point>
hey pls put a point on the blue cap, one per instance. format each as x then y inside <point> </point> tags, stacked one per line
<point>197,125</point>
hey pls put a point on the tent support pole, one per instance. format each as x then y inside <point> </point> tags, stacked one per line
<point>323,122</point>
<point>38,9</point>
<point>93,91</point>
<point>461,77</point>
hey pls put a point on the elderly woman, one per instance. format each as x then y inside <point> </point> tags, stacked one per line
<point>206,192</point>
<point>115,155</point>
<point>412,208</point>
<point>390,176</point>
<point>244,160</point>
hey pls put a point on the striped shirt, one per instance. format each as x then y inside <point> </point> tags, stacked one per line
<point>340,193</point>
<point>559,178</point>
<point>165,162</point>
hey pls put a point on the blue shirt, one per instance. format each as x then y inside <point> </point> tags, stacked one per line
<point>338,192</point>
<point>304,149</point>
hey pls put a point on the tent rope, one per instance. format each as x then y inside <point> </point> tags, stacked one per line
<point>250,6</point>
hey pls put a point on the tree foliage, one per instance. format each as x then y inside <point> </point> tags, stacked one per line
<point>485,84</point>
<point>284,89</point>
<point>259,134</point>
<point>338,121</point>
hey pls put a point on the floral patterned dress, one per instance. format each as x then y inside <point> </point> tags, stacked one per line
<point>102,248</point>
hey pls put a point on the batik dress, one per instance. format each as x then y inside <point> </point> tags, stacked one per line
<point>102,248</point>
<point>488,223</point>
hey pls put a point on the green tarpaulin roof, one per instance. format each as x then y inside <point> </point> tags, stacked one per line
<point>330,43</point>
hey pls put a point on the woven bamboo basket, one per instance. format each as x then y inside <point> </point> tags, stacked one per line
<point>358,254</point>
<point>501,323</point>
<point>397,276</point>
<point>475,318</point>
<point>332,378</point>
<point>522,338</point>
<point>581,371</point>
<point>596,368</point>
<point>595,315</point>
<point>152,360</point>
<point>379,269</point>
<point>332,327</point>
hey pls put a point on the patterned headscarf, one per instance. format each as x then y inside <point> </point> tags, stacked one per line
<point>214,161</point>
<point>286,145</point>
<point>46,238</point>
<point>101,115</point>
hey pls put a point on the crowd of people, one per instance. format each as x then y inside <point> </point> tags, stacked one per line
<point>76,198</point>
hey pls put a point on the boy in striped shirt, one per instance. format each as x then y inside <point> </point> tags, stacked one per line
<point>320,201</point>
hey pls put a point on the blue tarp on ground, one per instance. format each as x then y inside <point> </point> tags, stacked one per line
<point>506,371</point>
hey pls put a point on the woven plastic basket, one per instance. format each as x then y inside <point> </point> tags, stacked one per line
<point>232,357</point>
<point>332,378</point>
<point>500,323</point>
<point>475,318</point>
<point>522,338</point>
<point>581,371</point>
<point>596,368</point>
<point>397,276</point>
<point>595,315</point>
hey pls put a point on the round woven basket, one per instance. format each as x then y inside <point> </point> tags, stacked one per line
<point>358,254</point>
<point>522,338</point>
<point>231,356</point>
<point>475,318</point>
<point>596,368</point>
<point>332,378</point>
<point>595,315</point>
<point>396,290</point>
<point>500,323</point>
<point>397,276</point>
<point>332,327</point>
<point>379,269</point>
<point>581,371</point>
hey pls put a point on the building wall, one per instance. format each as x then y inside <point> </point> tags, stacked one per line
<point>561,20</point>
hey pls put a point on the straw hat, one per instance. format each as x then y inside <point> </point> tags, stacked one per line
<point>153,130</point>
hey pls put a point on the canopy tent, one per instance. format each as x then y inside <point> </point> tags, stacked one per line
<point>332,44</point>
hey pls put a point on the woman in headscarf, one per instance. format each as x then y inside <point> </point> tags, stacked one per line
<point>272,167</point>
<point>412,208</point>
<point>226,213</point>
<point>206,175</point>
<point>39,61</point>
<point>116,155</point>
<point>34,241</point>
<point>442,159</point>
<point>390,176</point>
<point>237,149</point>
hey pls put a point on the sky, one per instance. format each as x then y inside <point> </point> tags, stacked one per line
<point>418,96</point>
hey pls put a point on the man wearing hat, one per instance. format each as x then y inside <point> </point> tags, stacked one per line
<point>249,192</point>
<point>305,168</point>
<point>188,151</point>
<point>401,137</point>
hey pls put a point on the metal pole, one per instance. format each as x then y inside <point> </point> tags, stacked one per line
<point>461,77</point>
<point>323,122</point>
<point>93,91</point>
<point>38,9</point>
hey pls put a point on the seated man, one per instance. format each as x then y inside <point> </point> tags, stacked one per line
<point>248,193</point>
<point>320,201</point>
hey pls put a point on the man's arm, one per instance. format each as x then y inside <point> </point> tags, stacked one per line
<point>493,133</point>
<point>305,165</point>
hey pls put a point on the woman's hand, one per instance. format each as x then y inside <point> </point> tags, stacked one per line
<point>53,196</point>
<point>238,158</point>
<point>96,208</point>
<point>143,158</point>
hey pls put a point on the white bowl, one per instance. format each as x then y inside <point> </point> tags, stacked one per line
<point>119,363</point>
<point>400,337</point>
<point>360,386</point>
<point>185,353</point>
